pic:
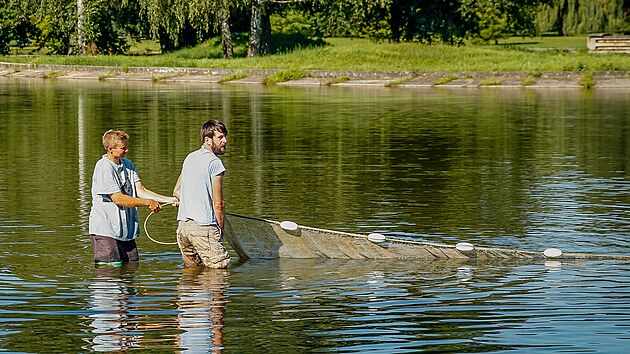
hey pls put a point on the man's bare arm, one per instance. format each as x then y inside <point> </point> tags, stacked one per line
<point>217,199</point>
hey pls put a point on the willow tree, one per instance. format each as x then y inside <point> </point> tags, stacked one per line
<point>207,15</point>
<point>570,17</point>
<point>171,20</point>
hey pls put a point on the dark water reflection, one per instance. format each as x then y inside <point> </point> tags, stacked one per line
<point>521,169</point>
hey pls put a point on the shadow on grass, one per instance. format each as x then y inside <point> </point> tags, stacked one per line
<point>520,43</point>
<point>280,43</point>
<point>283,43</point>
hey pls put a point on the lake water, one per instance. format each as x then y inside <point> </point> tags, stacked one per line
<point>524,168</point>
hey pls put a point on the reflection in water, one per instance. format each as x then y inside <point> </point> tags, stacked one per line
<point>201,300</point>
<point>111,290</point>
<point>519,169</point>
<point>412,306</point>
<point>84,196</point>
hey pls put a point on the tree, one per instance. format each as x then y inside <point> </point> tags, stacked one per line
<point>15,23</point>
<point>568,17</point>
<point>425,21</point>
<point>492,26</point>
<point>223,15</point>
<point>260,30</point>
<point>212,16</point>
<point>80,26</point>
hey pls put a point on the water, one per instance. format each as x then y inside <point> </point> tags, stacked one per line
<point>521,169</point>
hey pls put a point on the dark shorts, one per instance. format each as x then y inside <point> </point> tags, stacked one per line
<point>107,249</point>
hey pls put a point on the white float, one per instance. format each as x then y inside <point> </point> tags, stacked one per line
<point>376,237</point>
<point>552,252</point>
<point>289,226</point>
<point>465,247</point>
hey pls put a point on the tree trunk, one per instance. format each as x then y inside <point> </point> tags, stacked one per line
<point>265,44</point>
<point>166,43</point>
<point>260,30</point>
<point>80,29</point>
<point>255,29</point>
<point>226,34</point>
<point>563,10</point>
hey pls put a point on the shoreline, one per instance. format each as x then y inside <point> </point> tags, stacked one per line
<point>404,79</point>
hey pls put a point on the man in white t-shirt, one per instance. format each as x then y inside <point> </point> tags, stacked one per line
<point>116,193</point>
<point>199,188</point>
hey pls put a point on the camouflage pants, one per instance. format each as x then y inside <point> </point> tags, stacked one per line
<point>202,245</point>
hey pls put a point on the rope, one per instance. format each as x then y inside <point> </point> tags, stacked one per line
<point>147,232</point>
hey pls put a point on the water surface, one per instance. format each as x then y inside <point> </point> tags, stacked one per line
<point>526,169</point>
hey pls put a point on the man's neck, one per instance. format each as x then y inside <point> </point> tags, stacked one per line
<point>113,159</point>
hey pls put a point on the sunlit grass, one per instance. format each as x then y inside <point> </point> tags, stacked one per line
<point>359,54</point>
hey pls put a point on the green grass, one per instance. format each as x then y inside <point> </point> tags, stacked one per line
<point>515,54</point>
<point>236,76</point>
<point>574,43</point>
<point>490,81</point>
<point>587,81</point>
<point>445,80</point>
<point>284,76</point>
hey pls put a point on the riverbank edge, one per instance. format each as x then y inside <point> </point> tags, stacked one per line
<point>565,79</point>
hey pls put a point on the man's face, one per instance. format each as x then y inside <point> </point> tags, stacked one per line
<point>218,143</point>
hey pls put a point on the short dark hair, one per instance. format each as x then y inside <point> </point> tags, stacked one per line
<point>210,127</point>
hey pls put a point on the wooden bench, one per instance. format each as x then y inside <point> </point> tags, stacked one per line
<point>607,43</point>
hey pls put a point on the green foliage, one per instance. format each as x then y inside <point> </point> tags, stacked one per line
<point>492,26</point>
<point>587,81</point>
<point>291,22</point>
<point>15,24</point>
<point>492,20</point>
<point>180,23</point>
<point>6,30</point>
<point>236,76</point>
<point>110,25</point>
<point>339,80</point>
<point>424,21</point>
<point>490,81</point>
<point>445,80</point>
<point>529,80</point>
<point>363,54</point>
<point>570,17</point>
<point>55,33</point>
<point>284,76</point>
<point>103,32</point>
<point>429,21</point>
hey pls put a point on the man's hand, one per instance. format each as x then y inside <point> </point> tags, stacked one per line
<point>154,206</point>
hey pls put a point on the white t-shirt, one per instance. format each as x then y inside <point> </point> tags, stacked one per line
<point>107,218</point>
<point>195,195</point>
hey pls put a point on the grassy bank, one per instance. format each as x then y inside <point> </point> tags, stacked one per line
<point>516,54</point>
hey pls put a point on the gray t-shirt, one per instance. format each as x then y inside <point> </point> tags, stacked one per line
<point>195,193</point>
<point>107,218</point>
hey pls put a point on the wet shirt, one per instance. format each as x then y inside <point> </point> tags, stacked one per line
<point>195,201</point>
<point>107,218</point>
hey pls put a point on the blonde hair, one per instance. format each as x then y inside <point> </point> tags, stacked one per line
<point>112,137</point>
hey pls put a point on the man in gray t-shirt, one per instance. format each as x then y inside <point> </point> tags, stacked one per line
<point>201,213</point>
<point>116,193</point>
